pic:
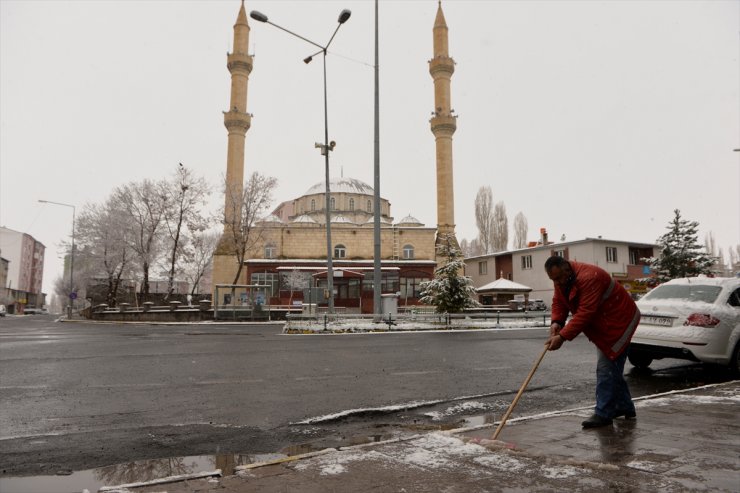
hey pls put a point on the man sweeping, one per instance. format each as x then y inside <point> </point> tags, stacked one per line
<point>603,310</point>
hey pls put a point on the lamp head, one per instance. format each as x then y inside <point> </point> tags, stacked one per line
<point>258,16</point>
<point>308,59</point>
<point>343,16</point>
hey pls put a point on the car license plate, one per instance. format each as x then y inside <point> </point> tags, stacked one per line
<point>663,321</point>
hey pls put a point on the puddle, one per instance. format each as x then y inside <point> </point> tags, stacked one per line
<point>92,480</point>
<point>129,472</point>
<point>483,419</point>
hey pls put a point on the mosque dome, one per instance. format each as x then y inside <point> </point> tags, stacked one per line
<point>271,219</point>
<point>383,221</point>
<point>339,218</point>
<point>304,219</point>
<point>410,221</point>
<point>342,185</point>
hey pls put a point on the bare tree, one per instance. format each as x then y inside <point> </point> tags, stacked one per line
<point>474,248</point>
<point>710,246</point>
<point>520,231</point>
<point>500,228</point>
<point>296,280</point>
<point>198,256</point>
<point>187,194</point>
<point>484,218</point>
<point>243,209</point>
<point>144,205</point>
<point>101,236</point>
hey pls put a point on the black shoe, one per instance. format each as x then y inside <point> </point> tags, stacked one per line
<point>596,421</point>
<point>626,414</point>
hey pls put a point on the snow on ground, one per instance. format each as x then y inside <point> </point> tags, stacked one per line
<point>433,451</point>
<point>458,409</point>
<point>728,398</point>
<point>360,325</point>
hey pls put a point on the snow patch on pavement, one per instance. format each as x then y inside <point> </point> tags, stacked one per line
<point>458,409</point>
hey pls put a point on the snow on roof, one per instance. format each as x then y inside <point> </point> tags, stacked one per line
<point>342,185</point>
<point>339,218</point>
<point>410,221</point>
<point>272,218</point>
<point>383,220</point>
<point>304,218</point>
<point>504,285</point>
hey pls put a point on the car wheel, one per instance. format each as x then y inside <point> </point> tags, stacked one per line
<point>639,360</point>
<point>735,361</point>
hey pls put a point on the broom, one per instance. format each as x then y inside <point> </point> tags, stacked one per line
<point>519,394</point>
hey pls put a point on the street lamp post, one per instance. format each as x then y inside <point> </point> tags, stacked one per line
<point>71,256</point>
<point>327,146</point>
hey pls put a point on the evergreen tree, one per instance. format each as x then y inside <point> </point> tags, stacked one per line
<point>449,292</point>
<point>681,254</point>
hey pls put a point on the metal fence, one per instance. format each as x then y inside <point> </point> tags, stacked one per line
<point>414,320</point>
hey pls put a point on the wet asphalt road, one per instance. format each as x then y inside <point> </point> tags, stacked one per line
<point>76,396</point>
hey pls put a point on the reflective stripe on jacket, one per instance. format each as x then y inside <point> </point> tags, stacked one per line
<point>601,308</point>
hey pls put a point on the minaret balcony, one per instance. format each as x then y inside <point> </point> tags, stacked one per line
<point>444,124</point>
<point>236,120</point>
<point>442,65</point>
<point>239,62</point>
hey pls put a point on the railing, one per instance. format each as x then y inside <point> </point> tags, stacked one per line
<point>414,321</point>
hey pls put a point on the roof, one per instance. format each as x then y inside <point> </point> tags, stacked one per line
<point>563,244</point>
<point>342,185</point>
<point>304,218</point>
<point>410,221</point>
<point>504,285</point>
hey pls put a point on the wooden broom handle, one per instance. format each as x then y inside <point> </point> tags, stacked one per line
<point>519,394</point>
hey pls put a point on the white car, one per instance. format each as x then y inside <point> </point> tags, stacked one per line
<point>696,318</point>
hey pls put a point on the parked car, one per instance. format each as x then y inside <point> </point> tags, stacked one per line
<point>3,310</point>
<point>696,318</point>
<point>536,305</point>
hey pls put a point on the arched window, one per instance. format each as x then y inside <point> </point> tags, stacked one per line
<point>270,250</point>
<point>313,204</point>
<point>369,206</point>
<point>351,204</point>
<point>340,251</point>
<point>333,204</point>
<point>408,252</point>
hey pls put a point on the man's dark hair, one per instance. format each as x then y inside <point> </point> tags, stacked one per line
<point>556,261</point>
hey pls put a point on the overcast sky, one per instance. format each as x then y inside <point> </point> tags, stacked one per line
<point>589,117</point>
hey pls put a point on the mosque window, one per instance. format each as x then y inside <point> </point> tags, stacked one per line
<point>313,204</point>
<point>270,250</point>
<point>351,204</point>
<point>369,206</point>
<point>340,251</point>
<point>333,203</point>
<point>408,252</point>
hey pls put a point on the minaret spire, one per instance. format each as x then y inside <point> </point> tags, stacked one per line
<point>236,119</point>
<point>443,125</point>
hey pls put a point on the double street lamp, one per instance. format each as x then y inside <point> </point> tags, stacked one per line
<point>71,295</point>
<point>327,146</point>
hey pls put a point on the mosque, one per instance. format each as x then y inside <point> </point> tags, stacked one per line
<point>291,252</point>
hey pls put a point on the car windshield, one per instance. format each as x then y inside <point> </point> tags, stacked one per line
<point>686,292</point>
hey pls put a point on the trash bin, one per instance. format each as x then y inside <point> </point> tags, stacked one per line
<point>389,302</point>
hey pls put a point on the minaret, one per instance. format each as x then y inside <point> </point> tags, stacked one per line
<point>237,120</point>
<point>443,124</point>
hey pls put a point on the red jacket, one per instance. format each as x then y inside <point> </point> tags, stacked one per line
<point>601,308</point>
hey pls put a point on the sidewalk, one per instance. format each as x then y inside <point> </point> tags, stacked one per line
<point>680,441</point>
